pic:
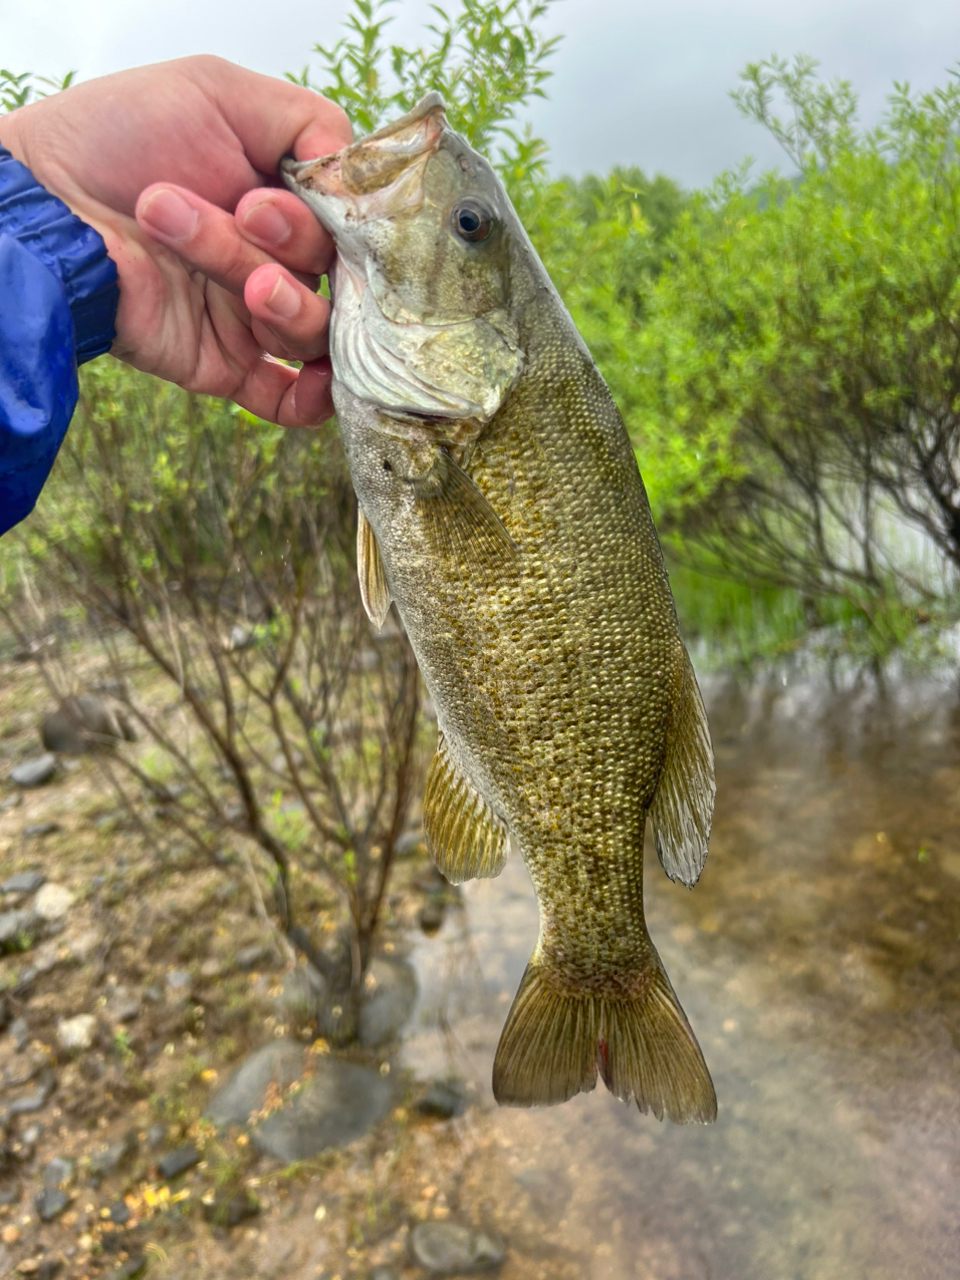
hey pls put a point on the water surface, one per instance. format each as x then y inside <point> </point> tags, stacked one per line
<point>819,963</point>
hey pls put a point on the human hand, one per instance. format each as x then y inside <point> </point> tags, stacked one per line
<point>217,270</point>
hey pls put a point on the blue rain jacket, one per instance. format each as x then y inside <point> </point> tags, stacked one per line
<point>58,303</point>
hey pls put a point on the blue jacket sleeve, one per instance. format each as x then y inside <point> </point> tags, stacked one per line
<point>58,302</point>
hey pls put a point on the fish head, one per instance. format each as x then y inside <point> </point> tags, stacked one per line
<point>422,323</point>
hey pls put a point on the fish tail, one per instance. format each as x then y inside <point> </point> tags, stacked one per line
<point>556,1039</point>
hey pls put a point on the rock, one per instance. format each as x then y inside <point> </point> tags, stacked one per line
<point>338,1104</point>
<point>48,1268</point>
<point>447,1248</point>
<point>17,929</point>
<point>229,1211</point>
<point>409,843</point>
<point>11,802</point>
<point>83,724</point>
<point>271,1069</point>
<point>36,829</point>
<point>122,1005</point>
<point>390,993</point>
<point>303,988</point>
<point>179,985</point>
<point>50,1203</point>
<point>120,1213</point>
<point>134,1266</point>
<point>24,881</point>
<point>156,1134</point>
<point>443,1100</point>
<point>34,773</point>
<point>111,1158</point>
<point>53,901</point>
<point>76,1034</point>
<point>258,955</point>
<point>176,1162</point>
<point>37,1098</point>
<point>19,1032</point>
<point>57,1173</point>
<point>239,639</point>
<point>430,915</point>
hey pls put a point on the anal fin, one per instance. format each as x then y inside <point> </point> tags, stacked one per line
<point>465,837</point>
<point>374,591</point>
<point>682,809</point>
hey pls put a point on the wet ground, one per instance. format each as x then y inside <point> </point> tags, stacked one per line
<point>819,963</point>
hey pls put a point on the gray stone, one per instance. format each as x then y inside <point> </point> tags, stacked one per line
<point>409,843</point>
<point>176,1162</point>
<point>122,1005</point>
<point>17,929</point>
<point>34,773</point>
<point>50,1203</point>
<point>156,1134</point>
<point>443,1100</point>
<point>11,802</point>
<point>120,1213</point>
<point>239,639</point>
<point>337,1105</point>
<point>448,1248</point>
<point>34,830</point>
<point>258,955</point>
<point>303,987</point>
<point>111,1158</point>
<point>57,1172</point>
<point>24,882</point>
<point>83,724</point>
<point>134,1266</point>
<point>53,901</point>
<point>48,1268</point>
<point>390,993</point>
<point>230,1210</point>
<point>179,984</point>
<point>76,1034</point>
<point>37,1098</point>
<point>19,1032</point>
<point>274,1067</point>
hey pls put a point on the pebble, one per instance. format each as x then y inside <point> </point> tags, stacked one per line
<point>134,1266</point>
<point>33,829</point>
<point>57,1172</point>
<point>34,773</point>
<point>53,901</point>
<point>176,1162</point>
<point>24,881</point>
<point>109,1160</point>
<point>48,1268</point>
<point>11,802</point>
<point>50,1203</point>
<point>448,1248</point>
<point>257,955</point>
<point>77,1033</point>
<point>120,1213</point>
<point>239,639</point>
<point>229,1211</point>
<point>19,1032</point>
<point>122,1005</point>
<point>16,929</point>
<point>443,1100</point>
<point>179,984</point>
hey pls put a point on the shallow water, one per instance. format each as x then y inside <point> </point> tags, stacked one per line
<point>819,963</point>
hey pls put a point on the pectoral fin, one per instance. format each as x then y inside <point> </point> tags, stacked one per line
<point>458,517</point>
<point>374,591</point>
<point>465,837</point>
<point>682,809</point>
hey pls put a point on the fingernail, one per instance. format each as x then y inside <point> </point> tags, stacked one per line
<point>170,215</point>
<point>266,223</point>
<point>284,301</point>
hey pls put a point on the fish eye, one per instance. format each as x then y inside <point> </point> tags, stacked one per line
<point>472,220</point>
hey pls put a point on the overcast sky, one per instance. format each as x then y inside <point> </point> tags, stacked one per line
<point>634,83</point>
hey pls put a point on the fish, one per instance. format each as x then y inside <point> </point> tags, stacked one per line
<point>501,509</point>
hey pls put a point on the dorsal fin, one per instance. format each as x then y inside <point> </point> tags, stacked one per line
<point>374,591</point>
<point>466,838</point>
<point>682,809</point>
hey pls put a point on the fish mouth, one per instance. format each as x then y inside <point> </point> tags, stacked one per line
<point>335,186</point>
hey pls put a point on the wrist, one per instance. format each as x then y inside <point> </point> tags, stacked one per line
<point>71,249</point>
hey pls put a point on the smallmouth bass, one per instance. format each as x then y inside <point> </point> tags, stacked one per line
<point>502,510</point>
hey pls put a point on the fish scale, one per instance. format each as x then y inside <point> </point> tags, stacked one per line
<point>503,513</point>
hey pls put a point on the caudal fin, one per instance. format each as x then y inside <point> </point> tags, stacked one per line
<point>556,1040</point>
